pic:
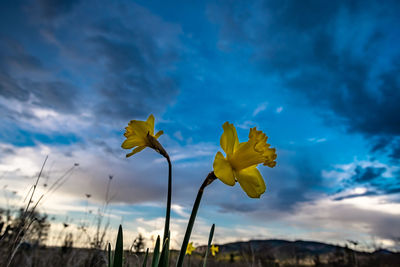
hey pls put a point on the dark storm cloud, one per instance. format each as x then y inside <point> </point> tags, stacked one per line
<point>394,190</point>
<point>80,59</point>
<point>368,193</point>
<point>395,154</point>
<point>129,50</point>
<point>17,79</point>
<point>367,174</point>
<point>115,64</point>
<point>303,183</point>
<point>9,88</point>
<point>53,8</point>
<point>297,186</point>
<point>55,95</point>
<point>342,55</point>
<point>133,84</point>
<point>15,58</point>
<point>373,179</point>
<point>136,82</point>
<point>237,207</point>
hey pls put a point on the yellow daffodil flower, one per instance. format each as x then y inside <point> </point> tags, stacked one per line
<point>190,248</point>
<point>214,250</point>
<point>240,163</point>
<point>140,134</point>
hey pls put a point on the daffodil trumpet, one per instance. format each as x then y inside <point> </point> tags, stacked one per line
<point>209,179</point>
<point>139,135</point>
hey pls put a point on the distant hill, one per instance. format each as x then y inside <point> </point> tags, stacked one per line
<point>276,252</point>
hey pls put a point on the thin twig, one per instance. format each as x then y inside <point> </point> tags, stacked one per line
<point>37,181</point>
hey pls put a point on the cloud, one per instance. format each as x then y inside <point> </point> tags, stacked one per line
<point>364,178</point>
<point>178,135</point>
<point>50,9</point>
<point>353,216</point>
<point>367,174</point>
<point>395,154</point>
<point>324,51</point>
<point>316,140</point>
<point>10,89</point>
<point>241,207</point>
<point>17,67</point>
<point>113,65</point>
<point>27,83</point>
<point>302,183</point>
<point>260,107</point>
<point>141,179</point>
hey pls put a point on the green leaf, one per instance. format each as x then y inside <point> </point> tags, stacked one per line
<point>210,237</point>
<point>145,258</point>
<point>156,253</point>
<point>118,256</point>
<point>109,252</point>
<point>164,258</point>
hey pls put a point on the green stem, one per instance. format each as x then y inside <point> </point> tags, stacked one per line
<point>168,212</point>
<point>209,179</point>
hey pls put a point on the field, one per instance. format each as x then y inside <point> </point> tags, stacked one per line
<point>263,253</point>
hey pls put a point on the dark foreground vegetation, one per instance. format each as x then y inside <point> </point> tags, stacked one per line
<point>253,253</point>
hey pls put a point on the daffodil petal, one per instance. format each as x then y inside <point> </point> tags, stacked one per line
<point>229,139</point>
<point>150,121</point>
<point>136,150</point>
<point>158,134</point>
<point>223,170</point>
<point>251,181</point>
<point>141,128</point>
<point>133,141</point>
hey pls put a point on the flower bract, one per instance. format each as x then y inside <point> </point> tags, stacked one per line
<point>241,160</point>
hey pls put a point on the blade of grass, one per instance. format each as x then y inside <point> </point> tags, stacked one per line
<point>118,255</point>
<point>145,258</point>
<point>156,253</point>
<point>21,225</point>
<point>210,237</point>
<point>35,185</point>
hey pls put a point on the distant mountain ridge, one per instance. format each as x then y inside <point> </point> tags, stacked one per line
<point>276,252</point>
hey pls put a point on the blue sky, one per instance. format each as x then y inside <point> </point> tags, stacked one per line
<point>321,79</point>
